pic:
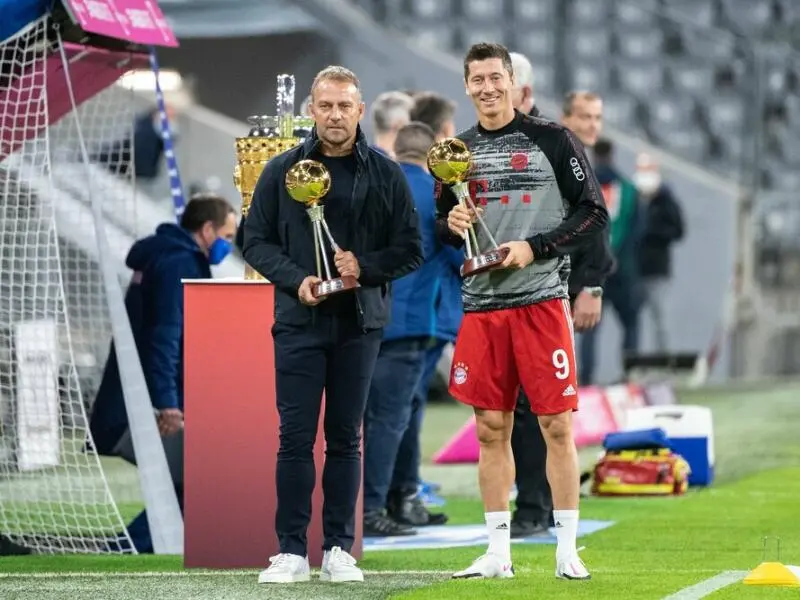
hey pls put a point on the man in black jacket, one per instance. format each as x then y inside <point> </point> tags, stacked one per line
<point>332,343</point>
<point>589,266</point>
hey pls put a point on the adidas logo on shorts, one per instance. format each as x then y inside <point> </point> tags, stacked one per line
<point>570,391</point>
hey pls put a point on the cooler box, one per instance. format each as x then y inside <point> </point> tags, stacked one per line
<point>690,432</point>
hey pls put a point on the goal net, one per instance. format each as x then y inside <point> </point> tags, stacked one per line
<point>56,493</point>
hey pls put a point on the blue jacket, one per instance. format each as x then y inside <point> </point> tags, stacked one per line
<point>417,298</point>
<point>154,302</point>
<point>450,309</point>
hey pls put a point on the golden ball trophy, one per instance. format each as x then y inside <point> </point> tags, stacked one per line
<point>307,182</point>
<point>450,163</point>
<point>268,137</point>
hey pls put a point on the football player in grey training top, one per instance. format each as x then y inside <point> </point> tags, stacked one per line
<point>540,199</point>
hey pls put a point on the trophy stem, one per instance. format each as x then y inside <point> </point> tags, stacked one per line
<point>481,222</point>
<point>318,235</point>
<point>317,250</point>
<point>462,193</point>
<point>328,234</point>
<point>474,237</point>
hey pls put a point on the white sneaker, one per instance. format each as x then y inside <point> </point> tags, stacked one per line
<point>487,566</point>
<point>339,567</point>
<point>286,568</point>
<point>572,567</point>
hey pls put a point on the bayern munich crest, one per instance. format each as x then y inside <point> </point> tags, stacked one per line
<point>460,371</point>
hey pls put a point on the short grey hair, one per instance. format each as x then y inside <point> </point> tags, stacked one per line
<point>335,73</point>
<point>413,141</point>
<point>523,70</point>
<point>389,110</point>
<point>568,105</point>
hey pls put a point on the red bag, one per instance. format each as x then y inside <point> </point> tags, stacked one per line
<point>658,472</point>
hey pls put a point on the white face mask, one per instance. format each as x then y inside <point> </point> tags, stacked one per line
<point>647,182</point>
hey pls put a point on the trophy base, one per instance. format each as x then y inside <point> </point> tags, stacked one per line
<point>334,286</point>
<point>484,262</point>
<point>250,274</point>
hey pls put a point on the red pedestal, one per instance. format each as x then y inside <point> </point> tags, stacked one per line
<point>231,436</point>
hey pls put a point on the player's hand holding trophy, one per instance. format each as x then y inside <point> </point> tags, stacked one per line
<point>450,162</point>
<point>307,182</point>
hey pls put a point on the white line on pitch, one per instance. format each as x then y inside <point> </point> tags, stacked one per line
<point>708,586</point>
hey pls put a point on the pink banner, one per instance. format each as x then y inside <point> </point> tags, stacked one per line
<point>138,21</point>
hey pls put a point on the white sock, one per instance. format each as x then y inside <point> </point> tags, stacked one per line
<point>499,526</point>
<point>566,531</point>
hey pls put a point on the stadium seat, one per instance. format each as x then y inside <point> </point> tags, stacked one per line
<point>589,12</point>
<point>432,9</point>
<point>695,14</point>
<point>747,16</point>
<point>714,48</point>
<point>690,77</point>
<point>689,144</point>
<point>587,44</point>
<point>472,33</point>
<point>640,77</point>
<point>726,115</point>
<point>544,81</point>
<point>591,76</point>
<point>431,35</point>
<point>671,110</point>
<point>620,109</point>
<point>483,11</point>
<point>642,13</point>
<point>785,177</point>
<point>537,43</point>
<point>639,41</point>
<point>788,144</point>
<point>792,107</point>
<point>534,11</point>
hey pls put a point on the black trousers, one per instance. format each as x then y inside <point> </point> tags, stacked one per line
<point>534,497</point>
<point>333,355</point>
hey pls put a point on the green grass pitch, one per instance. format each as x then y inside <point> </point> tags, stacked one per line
<point>657,547</point>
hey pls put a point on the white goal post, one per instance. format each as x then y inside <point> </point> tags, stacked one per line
<point>59,254</point>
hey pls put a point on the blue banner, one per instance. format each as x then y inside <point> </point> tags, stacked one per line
<point>175,187</point>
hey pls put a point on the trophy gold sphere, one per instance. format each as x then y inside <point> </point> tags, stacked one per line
<point>308,181</point>
<point>449,160</point>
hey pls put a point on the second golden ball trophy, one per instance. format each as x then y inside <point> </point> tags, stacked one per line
<point>269,136</point>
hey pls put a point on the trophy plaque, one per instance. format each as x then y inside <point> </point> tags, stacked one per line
<point>268,137</point>
<point>307,182</point>
<point>450,161</point>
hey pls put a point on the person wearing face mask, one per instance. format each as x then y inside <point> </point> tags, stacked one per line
<point>663,226</point>
<point>154,302</point>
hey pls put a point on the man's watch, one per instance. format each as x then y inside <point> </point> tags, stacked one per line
<point>595,291</point>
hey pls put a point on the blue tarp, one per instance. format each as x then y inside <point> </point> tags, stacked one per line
<point>16,14</point>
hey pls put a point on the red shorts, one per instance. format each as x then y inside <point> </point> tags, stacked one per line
<point>533,346</point>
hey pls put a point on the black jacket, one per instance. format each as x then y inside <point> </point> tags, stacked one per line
<point>591,263</point>
<point>279,244</point>
<point>663,226</point>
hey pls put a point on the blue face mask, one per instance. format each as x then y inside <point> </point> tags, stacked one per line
<point>219,251</point>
